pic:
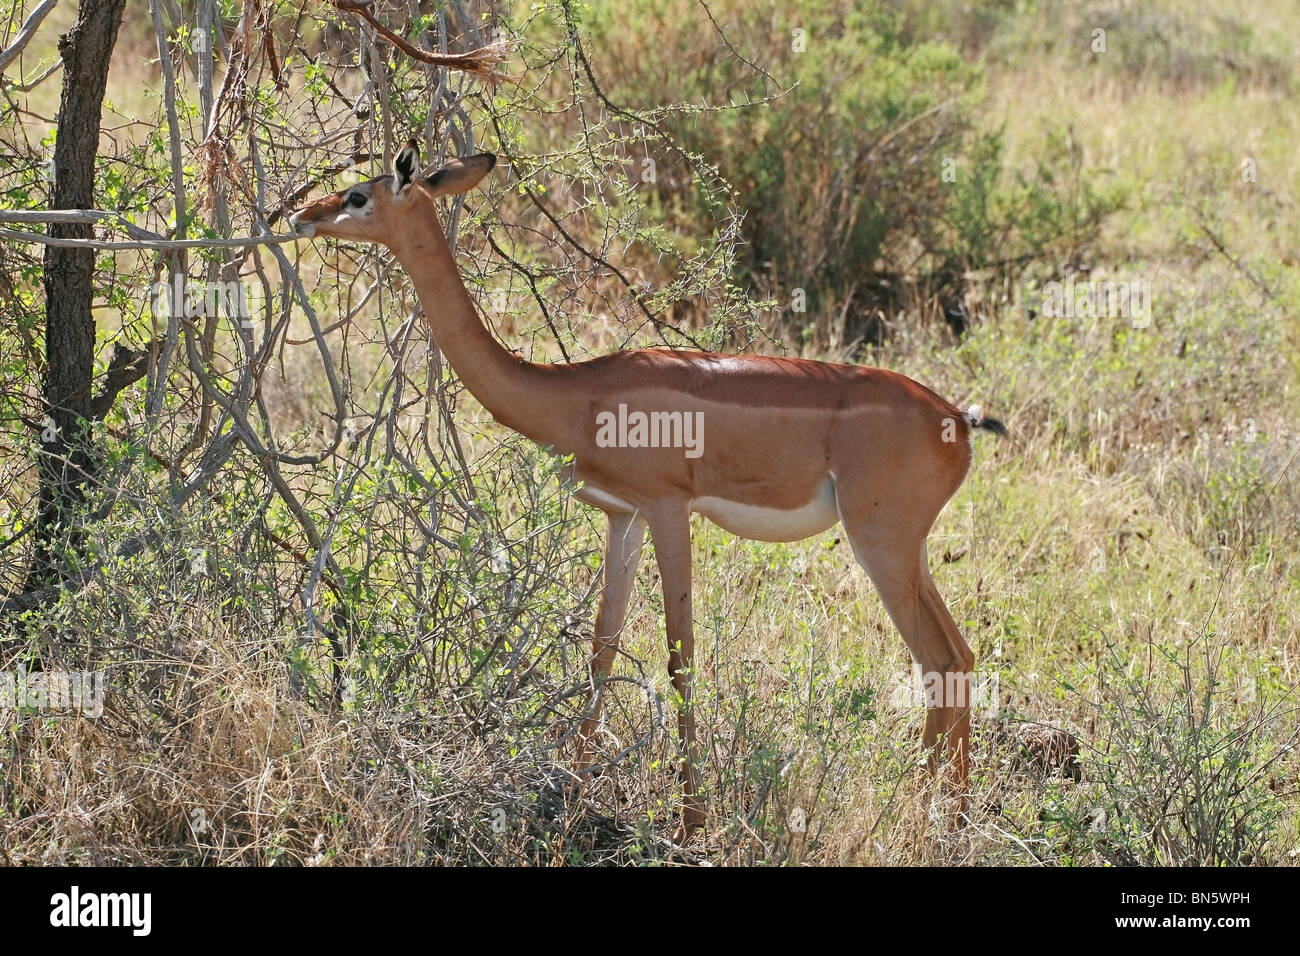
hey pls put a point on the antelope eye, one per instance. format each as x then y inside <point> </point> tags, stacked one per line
<point>356,199</point>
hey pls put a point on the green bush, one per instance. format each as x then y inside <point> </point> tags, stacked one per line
<point>861,167</point>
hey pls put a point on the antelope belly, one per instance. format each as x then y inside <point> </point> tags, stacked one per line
<point>773,524</point>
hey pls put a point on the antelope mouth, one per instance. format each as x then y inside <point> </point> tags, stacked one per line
<point>300,228</point>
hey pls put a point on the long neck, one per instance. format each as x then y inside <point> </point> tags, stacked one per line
<point>504,384</point>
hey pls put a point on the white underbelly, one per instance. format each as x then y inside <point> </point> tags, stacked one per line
<point>744,520</point>
<point>773,524</point>
<point>592,495</point>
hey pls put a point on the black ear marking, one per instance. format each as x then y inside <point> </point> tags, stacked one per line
<point>405,165</point>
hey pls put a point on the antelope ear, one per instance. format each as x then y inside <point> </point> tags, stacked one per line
<point>460,175</point>
<point>405,164</point>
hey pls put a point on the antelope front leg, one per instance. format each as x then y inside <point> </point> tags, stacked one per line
<point>672,537</point>
<point>623,538</point>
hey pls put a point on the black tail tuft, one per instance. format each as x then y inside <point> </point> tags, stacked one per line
<point>975,418</point>
<point>993,425</point>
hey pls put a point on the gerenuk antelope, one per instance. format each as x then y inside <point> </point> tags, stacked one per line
<point>778,449</point>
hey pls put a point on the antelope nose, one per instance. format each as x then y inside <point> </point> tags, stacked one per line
<point>297,225</point>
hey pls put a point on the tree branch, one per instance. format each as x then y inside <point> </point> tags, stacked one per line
<point>10,53</point>
<point>126,367</point>
<point>236,243</point>
<point>480,62</point>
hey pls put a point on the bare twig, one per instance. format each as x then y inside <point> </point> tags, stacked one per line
<point>176,260</point>
<point>31,84</point>
<point>1217,241</point>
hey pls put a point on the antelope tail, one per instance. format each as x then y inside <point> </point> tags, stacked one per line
<point>976,418</point>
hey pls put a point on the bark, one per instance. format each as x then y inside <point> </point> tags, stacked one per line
<point>67,461</point>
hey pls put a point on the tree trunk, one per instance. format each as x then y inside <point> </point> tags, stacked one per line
<point>67,460</point>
